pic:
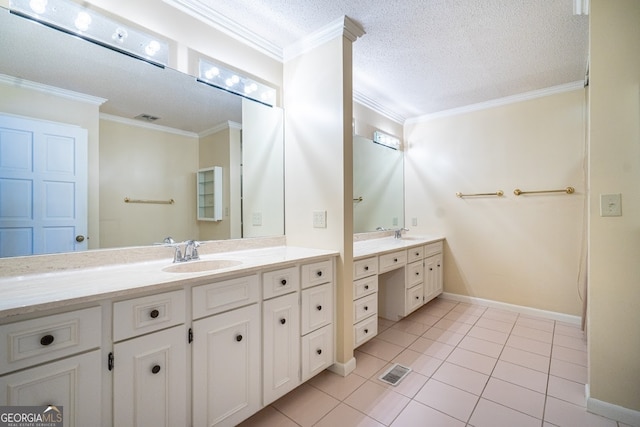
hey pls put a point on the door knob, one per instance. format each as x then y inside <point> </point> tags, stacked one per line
<point>79,238</point>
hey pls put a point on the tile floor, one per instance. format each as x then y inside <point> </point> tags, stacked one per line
<point>471,366</point>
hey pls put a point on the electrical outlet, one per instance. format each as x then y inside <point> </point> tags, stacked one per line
<point>611,204</point>
<point>319,219</point>
<point>414,222</point>
<point>395,221</point>
<point>256,219</point>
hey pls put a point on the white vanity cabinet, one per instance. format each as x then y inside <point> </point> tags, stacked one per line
<point>280,333</point>
<point>433,283</point>
<point>54,360</point>
<point>226,352</point>
<point>365,299</point>
<point>149,363</point>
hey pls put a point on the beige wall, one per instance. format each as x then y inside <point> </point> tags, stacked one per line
<point>523,250</point>
<point>367,121</point>
<point>145,163</point>
<point>614,242</point>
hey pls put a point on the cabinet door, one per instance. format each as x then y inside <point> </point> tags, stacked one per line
<point>433,277</point>
<point>226,367</point>
<point>73,383</point>
<point>281,329</point>
<point>149,380</point>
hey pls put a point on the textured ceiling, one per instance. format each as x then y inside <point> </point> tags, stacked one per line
<point>420,57</point>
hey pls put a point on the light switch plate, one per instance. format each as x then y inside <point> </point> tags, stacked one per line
<point>611,204</point>
<point>256,218</point>
<point>319,219</point>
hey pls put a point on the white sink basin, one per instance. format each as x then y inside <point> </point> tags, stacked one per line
<point>200,266</point>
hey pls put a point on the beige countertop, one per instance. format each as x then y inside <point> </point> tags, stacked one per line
<point>365,248</point>
<point>35,292</point>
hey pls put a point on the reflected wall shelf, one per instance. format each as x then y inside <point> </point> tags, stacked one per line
<point>209,194</point>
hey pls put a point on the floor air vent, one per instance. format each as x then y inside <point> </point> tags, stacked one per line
<point>395,374</point>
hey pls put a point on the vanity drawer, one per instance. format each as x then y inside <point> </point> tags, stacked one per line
<point>365,307</point>
<point>140,316</point>
<point>365,267</point>
<point>317,307</point>
<point>414,299</point>
<point>415,254</point>
<point>280,282</point>
<point>365,330</point>
<point>415,273</point>
<point>365,286</point>
<point>392,261</point>
<point>225,295</point>
<point>40,340</point>
<point>433,248</point>
<point>317,273</point>
<point>317,351</point>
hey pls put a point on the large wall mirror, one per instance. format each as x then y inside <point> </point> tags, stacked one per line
<point>378,186</point>
<point>197,126</point>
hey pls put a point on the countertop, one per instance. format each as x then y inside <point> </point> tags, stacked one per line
<point>365,248</point>
<point>37,292</point>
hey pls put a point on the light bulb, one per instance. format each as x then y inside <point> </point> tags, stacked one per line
<point>152,48</point>
<point>38,6</point>
<point>82,22</point>
<point>235,79</point>
<point>212,72</point>
<point>229,82</point>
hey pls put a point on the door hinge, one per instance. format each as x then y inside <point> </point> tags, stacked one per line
<point>190,337</point>
<point>110,361</point>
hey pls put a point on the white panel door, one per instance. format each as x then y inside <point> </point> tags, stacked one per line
<point>43,187</point>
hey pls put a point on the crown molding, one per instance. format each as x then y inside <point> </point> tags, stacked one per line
<point>526,96</point>
<point>201,11</point>
<point>377,107</point>
<point>343,26</point>
<point>145,125</point>
<point>222,126</point>
<point>51,90</point>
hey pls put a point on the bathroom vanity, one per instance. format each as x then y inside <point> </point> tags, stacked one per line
<point>392,278</point>
<point>152,343</point>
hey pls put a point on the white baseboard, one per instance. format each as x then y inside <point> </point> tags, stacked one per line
<point>343,369</point>
<point>561,317</point>
<point>609,410</point>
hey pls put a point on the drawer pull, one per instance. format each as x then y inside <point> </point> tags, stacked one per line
<point>47,339</point>
<point>417,297</point>
<point>366,307</point>
<point>417,253</point>
<point>366,331</point>
<point>155,369</point>
<point>438,265</point>
<point>283,321</point>
<point>366,287</point>
<point>366,268</point>
<point>283,282</point>
<point>319,351</point>
<point>238,337</point>
<point>319,273</point>
<point>319,307</point>
<point>395,260</point>
<point>154,313</point>
<point>417,273</point>
<point>430,268</point>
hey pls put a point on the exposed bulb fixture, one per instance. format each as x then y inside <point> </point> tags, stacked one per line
<point>82,22</point>
<point>231,81</point>
<point>119,35</point>
<point>386,140</point>
<point>38,6</point>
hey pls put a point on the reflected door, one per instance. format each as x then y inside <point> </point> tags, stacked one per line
<point>43,187</point>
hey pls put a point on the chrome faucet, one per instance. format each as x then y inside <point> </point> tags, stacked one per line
<point>190,251</point>
<point>398,232</point>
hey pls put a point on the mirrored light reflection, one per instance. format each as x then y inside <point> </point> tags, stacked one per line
<point>231,81</point>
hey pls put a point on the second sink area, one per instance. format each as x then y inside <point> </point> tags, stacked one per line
<point>200,266</point>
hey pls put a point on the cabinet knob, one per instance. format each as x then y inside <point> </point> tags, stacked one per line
<point>283,321</point>
<point>154,313</point>
<point>366,308</point>
<point>319,351</point>
<point>417,297</point>
<point>155,369</point>
<point>319,307</point>
<point>438,265</point>
<point>417,253</point>
<point>283,282</point>
<point>366,268</point>
<point>238,337</point>
<point>417,273</point>
<point>366,331</point>
<point>430,268</point>
<point>366,287</point>
<point>47,339</point>
<point>319,273</point>
<point>395,260</point>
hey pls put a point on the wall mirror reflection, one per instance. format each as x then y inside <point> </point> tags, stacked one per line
<point>378,186</point>
<point>148,131</point>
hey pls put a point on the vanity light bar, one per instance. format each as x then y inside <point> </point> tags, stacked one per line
<point>231,81</point>
<point>386,140</point>
<point>72,18</point>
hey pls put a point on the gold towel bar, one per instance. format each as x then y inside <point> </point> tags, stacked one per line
<point>568,190</point>
<point>498,193</point>
<point>358,200</point>
<point>157,202</point>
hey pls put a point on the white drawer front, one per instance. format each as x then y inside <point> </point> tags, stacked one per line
<point>415,297</point>
<point>365,330</point>
<point>365,307</point>
<point>317,273</point>
<point>365,286</point>
<point>280,282</point>
<point>317,352</point>
<point>225,295</point>
<point>365,267</point>
<point>433,248</point>
<point>415,273</point>
<point>317,307</point>
<point>392,261</point>
<point>139,316</point>
<point>39,340</point>
<point>415,254</point>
